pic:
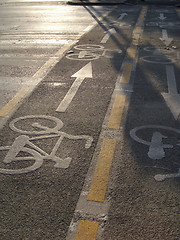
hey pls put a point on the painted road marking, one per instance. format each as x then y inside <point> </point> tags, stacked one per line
<point>165,39</point>
<point>126,74</point>
<point>7,109</point>
<point>23,143</point>
<point>162,177</point>
<point>101,175</point>
<point>117,111</point>
<point>87,230</point>
<point>156,147</point>
<point>162,17</point>
<point>85,72</point>
<point>89,52</point>
<point>122,16</point>
<point>108,35</point>
<point>172,98</point>
<point>131,52</point>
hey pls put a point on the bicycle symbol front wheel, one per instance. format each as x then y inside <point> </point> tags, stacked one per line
<point>34,156</point>
<point>36,124</point>
<point>89,47</point>
<point>86,56</point>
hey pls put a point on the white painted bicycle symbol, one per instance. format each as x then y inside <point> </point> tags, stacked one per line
<point>89,52</point>
<point>33,153</point>
<point>160,56</point>
<point>156,146</point>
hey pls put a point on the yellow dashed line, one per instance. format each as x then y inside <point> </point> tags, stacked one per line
<point>87,230</point>
<point>99,184</point>
<point>126,74</point>
<point>117,111</point>
<point>137,30</point>
<point>141,21</point>
<point>101,176</point>
<point>6,110</point>
<point>131,52</point>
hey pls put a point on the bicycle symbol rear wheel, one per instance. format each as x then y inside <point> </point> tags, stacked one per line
<point>35,156</point>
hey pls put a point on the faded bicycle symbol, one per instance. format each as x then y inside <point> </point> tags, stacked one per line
<point>88,52</point>
<point>157,146</point>
<point>160,56</point>
<point>24,143</point>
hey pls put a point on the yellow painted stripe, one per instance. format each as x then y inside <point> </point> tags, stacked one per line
<point>117,112</point>
<point>101,175</point>
<point>137,30</point>
<point>6,110</point>
<point>131,51</point>
<point>136,41</point>
<point>140,21</point>
<point>136,35</point>
<point>87,230</point>
<point>126,74</point>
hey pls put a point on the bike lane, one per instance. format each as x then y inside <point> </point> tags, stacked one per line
<point>53,135</point>
<point>144,187</point>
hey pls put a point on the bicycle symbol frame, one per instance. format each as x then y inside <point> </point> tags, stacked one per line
<point>37,154</point>
<point>89,52</point>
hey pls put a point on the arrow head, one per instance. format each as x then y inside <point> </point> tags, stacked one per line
<point>173,102</point>
<point>162,18</point>
<point>84,72</point>
<point>122,16</point>
<point>166,41</point>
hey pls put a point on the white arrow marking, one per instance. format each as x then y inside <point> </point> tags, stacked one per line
<point>162,17</point>
<point>165,38</point>
<point>108,34</point>
<point>122,16</point>
<point>85,72</point>
<point>172,98</point>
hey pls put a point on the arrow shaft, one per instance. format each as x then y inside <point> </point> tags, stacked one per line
<point>70,95</point>
<point>164,34</point>
<point>162,15</point>
<point>122,16</point>
<point>171,80</point>
<point>108,34</point>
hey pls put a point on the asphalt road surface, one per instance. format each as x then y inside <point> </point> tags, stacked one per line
<point>34,37</point>
<point>90,138</point>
